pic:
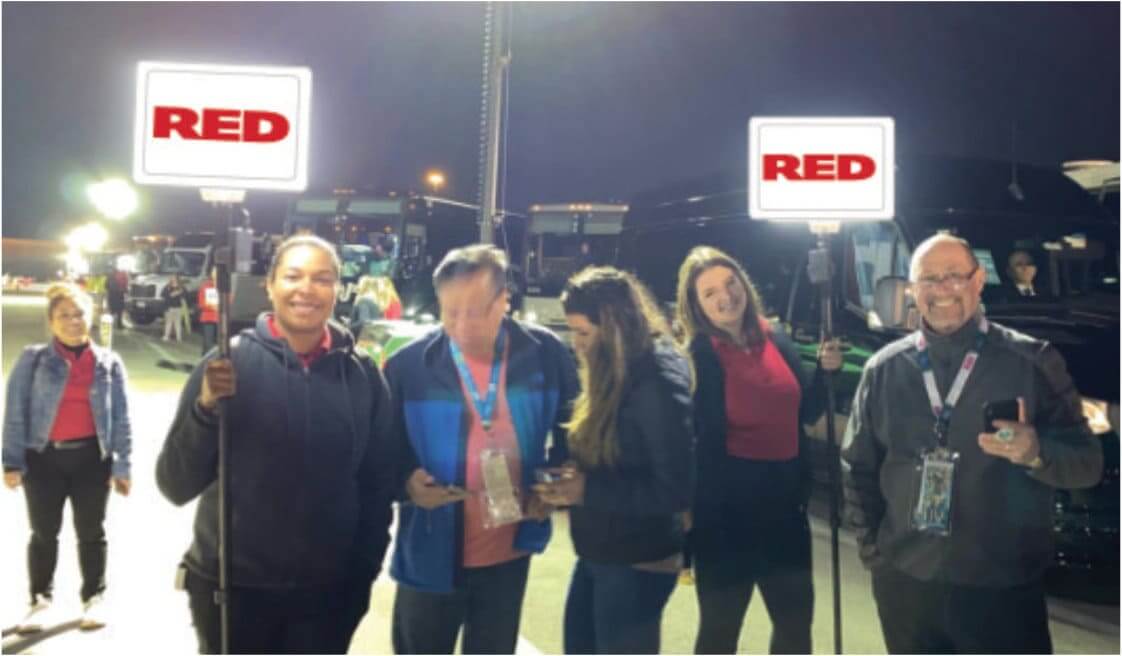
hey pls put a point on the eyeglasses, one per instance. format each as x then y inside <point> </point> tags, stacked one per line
<point>956,281</point>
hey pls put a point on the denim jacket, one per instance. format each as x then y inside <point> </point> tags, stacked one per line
<point>35,388</point>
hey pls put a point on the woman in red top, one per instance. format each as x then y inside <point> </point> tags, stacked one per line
<point>67,436</point>
<point>753,469</point>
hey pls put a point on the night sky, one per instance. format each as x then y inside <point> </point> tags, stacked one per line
<point>606,100</point>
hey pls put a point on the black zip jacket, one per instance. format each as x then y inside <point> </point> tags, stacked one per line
<point>1001,513</point>
<point>312,475</point>
<point>737,497</point>
<point>632,510</point>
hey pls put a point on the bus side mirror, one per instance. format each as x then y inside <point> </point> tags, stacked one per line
<point>892,308</point>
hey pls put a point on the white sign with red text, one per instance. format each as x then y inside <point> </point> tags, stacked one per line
<point>821,169</point>
<point>232,127</point>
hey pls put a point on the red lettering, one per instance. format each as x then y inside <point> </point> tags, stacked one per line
<point>278,126</point>
<point>179,119</point>
<point>785,165</point>
<point>855,167</point>
<point>257,126</point>
<point>818,167</point>
<point>222,124</point>
<point>846,167</point>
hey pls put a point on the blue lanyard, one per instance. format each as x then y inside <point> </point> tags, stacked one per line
<point>941,408</point>
<point>484,407</point>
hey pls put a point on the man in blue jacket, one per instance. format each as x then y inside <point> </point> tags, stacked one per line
<point>475,403</point>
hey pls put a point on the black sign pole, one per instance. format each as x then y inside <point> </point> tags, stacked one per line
<point>223,261</point>
<point>820,272</point>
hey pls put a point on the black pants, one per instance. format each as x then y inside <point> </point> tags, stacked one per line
<point>487,604</point>
<point>297,621</point>
<point>920,617</point>
<point>210,336</point>
<point>727,569</point>
<point>52,477</point>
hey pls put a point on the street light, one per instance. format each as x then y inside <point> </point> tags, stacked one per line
<point>435,179</point>
<point>114,199</point>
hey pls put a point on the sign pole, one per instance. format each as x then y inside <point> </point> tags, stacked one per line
<point>223,262</point>
<point>820,272</point>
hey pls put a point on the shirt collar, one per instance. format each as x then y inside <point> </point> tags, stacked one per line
<point>323,347</point>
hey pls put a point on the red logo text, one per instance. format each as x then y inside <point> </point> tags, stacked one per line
<point>219,124</point>
<point>819,167</point>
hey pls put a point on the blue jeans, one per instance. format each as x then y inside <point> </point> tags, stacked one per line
<point>615,609</point>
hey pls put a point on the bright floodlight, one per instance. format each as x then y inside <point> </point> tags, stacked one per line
<point>90,238</point>
<point>435,179</point>
<point>114,199</point>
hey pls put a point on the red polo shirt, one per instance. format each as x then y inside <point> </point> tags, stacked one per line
<point>311,356</point>
<point>74,418</point>
<point>762,398</point>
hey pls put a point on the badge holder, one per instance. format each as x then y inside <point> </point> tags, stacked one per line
<point>932,513</point>
<point>499,497</point>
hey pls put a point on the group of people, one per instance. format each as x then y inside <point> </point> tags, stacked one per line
<point>659,449</point>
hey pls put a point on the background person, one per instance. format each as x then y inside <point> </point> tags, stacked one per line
<point>1021,270</point>
<point>173,295</point>
<point>482,393</point>
<point>67,437</point>
<point>954,522</point>
<point>632,478</point>
<point>208,311</point>
<point>312,472</point>
<point>753,463</point>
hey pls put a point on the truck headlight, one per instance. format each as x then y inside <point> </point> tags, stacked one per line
<point>1099,415</point>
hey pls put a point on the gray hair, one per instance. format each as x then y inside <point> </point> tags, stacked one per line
<point>935,240</point>
<point>469,260</point>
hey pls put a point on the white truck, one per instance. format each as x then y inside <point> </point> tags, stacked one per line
<point>192,258</point>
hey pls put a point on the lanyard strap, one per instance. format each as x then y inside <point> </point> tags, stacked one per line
<point>942,409</point>
<point>484,407</point>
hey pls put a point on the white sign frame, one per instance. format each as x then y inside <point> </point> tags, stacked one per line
<point>823,200</point>
<point>280,166</point>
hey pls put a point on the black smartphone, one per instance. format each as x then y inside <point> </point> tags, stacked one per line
<point>1008,410</point>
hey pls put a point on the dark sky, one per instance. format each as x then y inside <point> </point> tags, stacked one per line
<point>605,99</point>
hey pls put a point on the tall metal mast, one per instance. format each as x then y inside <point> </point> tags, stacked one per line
<point>496,59</point>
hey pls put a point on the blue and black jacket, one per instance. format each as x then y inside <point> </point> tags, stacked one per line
<point>431,424</point>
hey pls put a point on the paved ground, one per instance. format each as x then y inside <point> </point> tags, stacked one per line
<point>147,535</point>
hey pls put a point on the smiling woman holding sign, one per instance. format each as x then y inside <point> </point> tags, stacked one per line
<point>311,477</point>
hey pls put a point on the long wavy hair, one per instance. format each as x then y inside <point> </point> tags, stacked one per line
<point>692,317</point>
<point>629,324</point>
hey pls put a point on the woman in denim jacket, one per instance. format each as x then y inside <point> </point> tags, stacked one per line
<point>67,436</point>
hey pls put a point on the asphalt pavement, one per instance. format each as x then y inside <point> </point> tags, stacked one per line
<point>147,536</point>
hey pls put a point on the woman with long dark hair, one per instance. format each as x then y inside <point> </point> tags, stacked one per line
<point>753,465</point>
<point>631,480</point>
<point>67,436</point>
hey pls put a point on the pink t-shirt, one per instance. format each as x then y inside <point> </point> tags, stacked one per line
<point>488,546</point>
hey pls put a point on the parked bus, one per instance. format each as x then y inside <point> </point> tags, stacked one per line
<point>561,239</point>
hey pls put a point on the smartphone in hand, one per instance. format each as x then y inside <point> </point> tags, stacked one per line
<point>1008,410</point>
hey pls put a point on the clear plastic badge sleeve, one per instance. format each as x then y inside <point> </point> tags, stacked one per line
<point>500,497</point>
<point>932,513</point>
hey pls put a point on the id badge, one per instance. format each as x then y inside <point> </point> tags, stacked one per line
<point>932,513</point>
<point>499,497</point>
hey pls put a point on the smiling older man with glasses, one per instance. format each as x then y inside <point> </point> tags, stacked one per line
<point>953,517</point>
<point>475,403</point>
